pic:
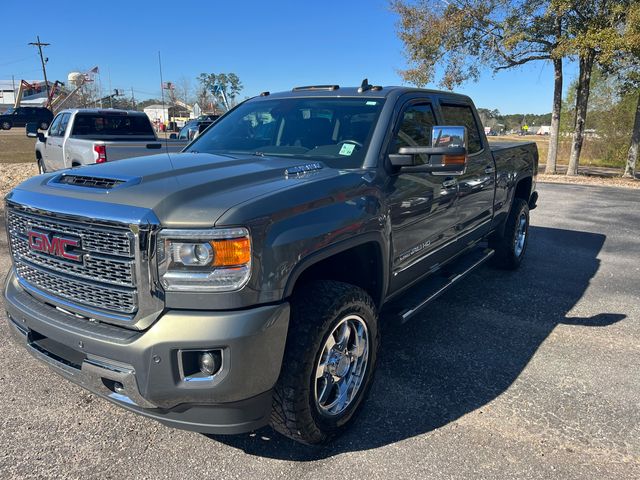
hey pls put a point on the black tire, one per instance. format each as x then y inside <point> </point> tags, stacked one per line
<point>41,168</point>
<point>6,125</point>
<point>316,310</point>
<point>44,125</point>
<point>509,251</point>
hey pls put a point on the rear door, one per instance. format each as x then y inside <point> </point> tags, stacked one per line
<point>422,205</point>
<point>476,187</point>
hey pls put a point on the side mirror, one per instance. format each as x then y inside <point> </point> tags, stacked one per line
<point>448,153</point>
<point>32,129</point>
<point>173,136</point>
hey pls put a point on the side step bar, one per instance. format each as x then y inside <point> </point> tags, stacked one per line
<point>423,293</point>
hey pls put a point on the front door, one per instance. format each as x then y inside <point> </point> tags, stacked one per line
<point>53,156</point>
<point>422,205</point>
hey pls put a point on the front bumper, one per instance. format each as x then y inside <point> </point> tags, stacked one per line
<point>96,355</point>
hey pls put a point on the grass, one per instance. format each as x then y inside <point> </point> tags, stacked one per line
<point>589,156</point>
<point>16,147</point>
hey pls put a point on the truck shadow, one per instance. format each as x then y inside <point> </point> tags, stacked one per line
<point>465,350</point>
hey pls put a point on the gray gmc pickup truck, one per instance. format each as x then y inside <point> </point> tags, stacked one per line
<point>244,281</point>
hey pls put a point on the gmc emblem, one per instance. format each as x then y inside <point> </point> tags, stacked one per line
<point>53,244</point>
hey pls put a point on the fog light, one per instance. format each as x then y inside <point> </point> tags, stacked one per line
<point>209,363</point>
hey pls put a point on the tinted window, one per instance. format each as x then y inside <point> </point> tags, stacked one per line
<point>331,129</point>
<point>463,115</point>
<point>414,129</point>
<point>92,124</point>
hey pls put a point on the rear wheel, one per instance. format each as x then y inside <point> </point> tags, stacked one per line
<point>328,363</point>
<point>511,246</point>
<point>6,125</point>
<point>44,125</point>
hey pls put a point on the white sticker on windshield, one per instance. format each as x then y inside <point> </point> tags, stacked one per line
<point>347,149</point>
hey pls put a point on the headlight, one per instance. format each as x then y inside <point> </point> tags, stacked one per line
<point>214,260</point>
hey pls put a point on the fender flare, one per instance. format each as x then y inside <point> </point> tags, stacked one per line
<point>339,247</point>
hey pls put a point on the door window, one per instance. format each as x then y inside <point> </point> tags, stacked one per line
<point>55,126</point>
<point>414,129</point>
<point>63,123</point>
<point>463,115</point>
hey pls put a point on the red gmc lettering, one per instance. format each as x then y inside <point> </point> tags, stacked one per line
<point>56,246</point>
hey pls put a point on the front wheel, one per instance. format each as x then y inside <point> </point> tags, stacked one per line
<point>44,125</point>
<point>41,168</point>
<point>328,363</point>
<point>511,246</point>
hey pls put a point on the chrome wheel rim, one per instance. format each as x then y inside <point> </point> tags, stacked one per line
<point>5,126</point>
<point>342,366</point>
<point>521,235</point>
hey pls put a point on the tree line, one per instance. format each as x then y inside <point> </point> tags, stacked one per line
<point>463,36</point>
<point>215,92</point>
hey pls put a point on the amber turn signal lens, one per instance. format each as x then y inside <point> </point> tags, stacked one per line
<point>236,251</point>
<point>454,159</point>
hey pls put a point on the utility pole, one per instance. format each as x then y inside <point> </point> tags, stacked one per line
<point>40,44</point>
<point>133,99</point>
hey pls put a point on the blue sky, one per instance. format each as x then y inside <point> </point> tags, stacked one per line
<point>271,45</point>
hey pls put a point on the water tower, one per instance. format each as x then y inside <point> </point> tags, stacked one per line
<point>76,79</point>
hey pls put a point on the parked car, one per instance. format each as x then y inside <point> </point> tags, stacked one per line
<point>241,282</point>
<point>19,117</point>
<point>195,127</point>
<point>85,136</point>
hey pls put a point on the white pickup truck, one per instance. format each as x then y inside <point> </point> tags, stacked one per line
<point>85,136</point>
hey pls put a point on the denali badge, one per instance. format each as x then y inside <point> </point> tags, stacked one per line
<point>53,244</point>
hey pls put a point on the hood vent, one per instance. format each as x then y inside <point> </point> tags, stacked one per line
<point>90,181</point>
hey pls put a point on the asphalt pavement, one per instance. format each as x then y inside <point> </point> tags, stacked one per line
<point>528,374</point>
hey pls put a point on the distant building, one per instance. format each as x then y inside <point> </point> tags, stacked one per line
<point>36,95</point>
<point>544,130</point>
<point>157,113</point>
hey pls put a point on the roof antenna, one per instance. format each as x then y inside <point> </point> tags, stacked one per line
<point>364,86</point>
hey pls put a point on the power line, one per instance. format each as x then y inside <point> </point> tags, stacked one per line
<point>40,44</point>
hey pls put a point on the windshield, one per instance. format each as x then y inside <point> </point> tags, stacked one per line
<point>336,130</point>
<point>10,111</point>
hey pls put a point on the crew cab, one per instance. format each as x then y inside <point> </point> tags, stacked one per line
<point>245,280</point>
<point>79,137</point>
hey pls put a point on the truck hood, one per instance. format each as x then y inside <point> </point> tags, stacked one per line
<point>183,190</point>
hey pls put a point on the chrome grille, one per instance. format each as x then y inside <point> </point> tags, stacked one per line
<point>106,278</point>
<point>94,239</point>
<point>114,271</point>
<point>97,296</point>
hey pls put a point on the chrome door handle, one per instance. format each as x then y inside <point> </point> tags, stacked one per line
<point>489,169</point>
